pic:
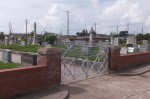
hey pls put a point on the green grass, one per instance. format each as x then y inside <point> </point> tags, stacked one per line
<point>27,48</point>
<point>8,65</point>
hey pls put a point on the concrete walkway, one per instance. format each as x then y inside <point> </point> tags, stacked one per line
<point>136,70</point>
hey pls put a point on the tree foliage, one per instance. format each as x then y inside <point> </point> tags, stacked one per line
<point>123,34</point>
<point>50,38</point>
<point>83,33</point>
<point>2,36</point>
<point>141,36</point>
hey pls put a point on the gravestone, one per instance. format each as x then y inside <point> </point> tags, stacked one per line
<point>106,44</point>
<point>131,40</point>
<point>28,59</point>
<point>101,51</point>
<point>23,43</point>
<point>144,47</point>
<point>29,41</point>
<point>130,49</point>
<point>123,50</point>
<point>116,41</point>
<point>6,56</point>
<point>6,41</point>
<point>85,50</point>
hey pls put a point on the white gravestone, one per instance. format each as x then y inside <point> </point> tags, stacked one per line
<point>116,41</point>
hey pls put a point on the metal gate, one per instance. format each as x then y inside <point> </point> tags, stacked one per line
<point>81,62</point>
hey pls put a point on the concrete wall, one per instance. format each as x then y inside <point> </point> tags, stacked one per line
<point>27,79</point>
<point>118,62</point>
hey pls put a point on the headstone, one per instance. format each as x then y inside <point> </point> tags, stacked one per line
<point>6,41</point>
<point>6,55</point>
<point>144,47</point>
<point>29,41</point>
<point>85,50</point>
<point>116,41</point>
<point>130,49</point>
<point>131,40</point>
<point>101,51</point>
<point>112,40</point>
<point>28,59</point>
<point>106,44</point>
<point>91,38</point>
<point>23,43</point>
<point>123,50</point>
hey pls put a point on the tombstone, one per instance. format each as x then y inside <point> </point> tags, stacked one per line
<point>144,47</point>
<point>29,41</point>
<point>123,50</point>
<point>131,40</point>
<point>91,38</point>
<point>34,39</point>
<point>116,41</point>
<point>6,41</point>
<point>106,44</point>
<point>130,49</point>
<point>6,56</point>
<point>82,43</point>
<point>85,50</point>
<point>47,45</point>
<point>23,43</point>
<point>28,59</point>
<point>112,40</point>
<point>101,51</point>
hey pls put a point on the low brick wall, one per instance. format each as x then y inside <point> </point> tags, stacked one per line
<point>27,79</point>
<point>118,62</point>
<point>22,80</point>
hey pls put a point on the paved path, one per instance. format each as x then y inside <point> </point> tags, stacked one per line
<point>111,87</point>
<point>136,70</point>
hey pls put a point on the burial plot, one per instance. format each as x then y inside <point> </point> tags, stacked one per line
<point>28,59</point>
<point>144,46</point>
<point>123,50</point>
<point>85,50</point>
<point>6,55</point>
<point>23,43</point>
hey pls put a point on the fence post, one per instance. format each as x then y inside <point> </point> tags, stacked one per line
<point>114,58</point>
<point>51,57</point>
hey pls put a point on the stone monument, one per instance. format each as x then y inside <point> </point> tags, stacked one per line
<point>34,39</point>
<point>91,38</point>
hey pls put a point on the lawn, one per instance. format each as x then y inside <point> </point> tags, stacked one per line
<point>27,48</point>
<point>8,65</point>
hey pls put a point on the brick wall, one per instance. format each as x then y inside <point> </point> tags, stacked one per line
<point>27,79</point>
<point>118,62</point>
<point>22,80</point>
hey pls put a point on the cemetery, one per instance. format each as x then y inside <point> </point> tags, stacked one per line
<point>66,60</point>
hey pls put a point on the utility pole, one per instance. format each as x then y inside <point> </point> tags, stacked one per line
<point>95,27</point>
<point>67,22</point>
<point>128,27</point>
<point>117,29</point>
<point>142,29</point>
<point>26,21</point>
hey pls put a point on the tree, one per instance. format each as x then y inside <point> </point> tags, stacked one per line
<point>83,33</point>
<point>50,38</point>
<point>2,36</point>
<point>123,34</point>
<point>139,37</point>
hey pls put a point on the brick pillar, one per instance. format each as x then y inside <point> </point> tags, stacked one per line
<point>51,57</point>
<point>114,58</point>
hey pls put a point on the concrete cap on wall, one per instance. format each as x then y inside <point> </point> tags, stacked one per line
<point>115,48</point>
<point>51,50</point>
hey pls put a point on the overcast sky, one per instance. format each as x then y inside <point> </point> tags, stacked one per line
<point>51,15</point>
